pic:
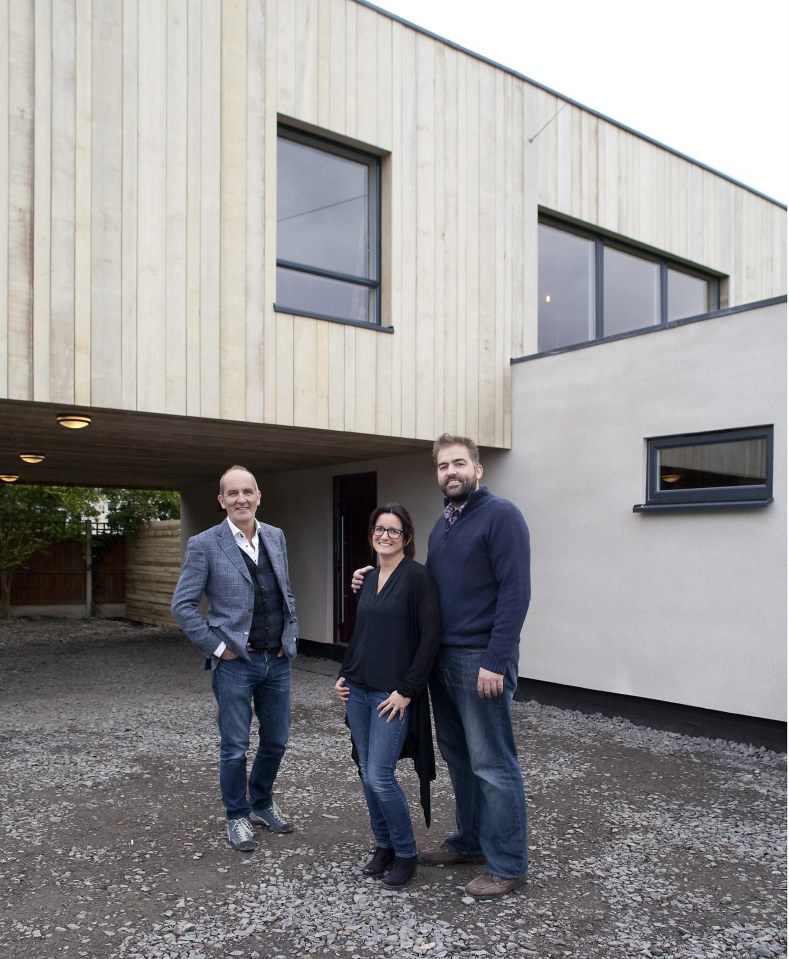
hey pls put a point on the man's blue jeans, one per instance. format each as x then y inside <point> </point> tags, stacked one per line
<point>262,682</point>
<point>475,738</point>
<point>379,744</point>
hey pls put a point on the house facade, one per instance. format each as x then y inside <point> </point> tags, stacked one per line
<point>308,227</point>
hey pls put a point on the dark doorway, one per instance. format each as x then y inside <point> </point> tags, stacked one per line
<point>354,500</point>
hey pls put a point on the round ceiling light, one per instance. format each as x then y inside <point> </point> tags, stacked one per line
<point>9,477</point>
<point>31,457</point>
<point>72,422</point>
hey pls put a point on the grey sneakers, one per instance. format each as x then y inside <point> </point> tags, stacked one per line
<point>240,835</point>
<point>272,818</point>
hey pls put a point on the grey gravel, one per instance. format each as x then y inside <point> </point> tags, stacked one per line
<point>643,843</point>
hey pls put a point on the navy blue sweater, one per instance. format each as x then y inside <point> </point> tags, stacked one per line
<point>481,566</point>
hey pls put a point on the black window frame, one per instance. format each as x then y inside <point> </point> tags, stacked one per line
<point>714,497</point>
<point>372,283</point>
<point>666,263</point>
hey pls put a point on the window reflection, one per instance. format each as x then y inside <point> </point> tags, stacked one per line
<point>631,287</point>
<point>687,295</point>
<point>327,229</point>
<point>321,296</point>
<point>712,465</point>
<point>566,288</point>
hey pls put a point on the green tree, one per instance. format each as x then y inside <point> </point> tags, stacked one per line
<point>129,509</point>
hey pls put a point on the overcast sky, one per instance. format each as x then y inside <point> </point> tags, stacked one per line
<point>709,78</point>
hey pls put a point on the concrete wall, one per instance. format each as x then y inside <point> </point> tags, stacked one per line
<point>689,607</point>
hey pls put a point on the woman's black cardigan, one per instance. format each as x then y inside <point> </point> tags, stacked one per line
<point>423,638</point>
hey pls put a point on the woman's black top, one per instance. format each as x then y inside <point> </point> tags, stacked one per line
<point>397,631</point>
<point>393,647</point>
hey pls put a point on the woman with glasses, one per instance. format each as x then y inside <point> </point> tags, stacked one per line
<point>382,683</point>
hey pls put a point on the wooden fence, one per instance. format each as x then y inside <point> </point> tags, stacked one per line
<point>53,581</point>
<point>153,563</point>
<point>140,571</point>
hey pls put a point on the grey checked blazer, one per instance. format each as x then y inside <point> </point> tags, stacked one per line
<point>214,567</point>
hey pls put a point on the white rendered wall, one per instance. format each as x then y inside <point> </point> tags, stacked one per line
<point>688,607</point>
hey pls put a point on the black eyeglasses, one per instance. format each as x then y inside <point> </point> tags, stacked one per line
<point>380,530</point>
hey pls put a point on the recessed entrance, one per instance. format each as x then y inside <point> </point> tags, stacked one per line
<point>354,499</point>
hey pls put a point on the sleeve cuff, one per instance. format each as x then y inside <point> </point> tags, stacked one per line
<point>495,664</point>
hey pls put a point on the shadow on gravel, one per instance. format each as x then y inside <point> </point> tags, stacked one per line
<point>642,843</point>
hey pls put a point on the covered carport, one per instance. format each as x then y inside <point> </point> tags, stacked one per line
<point>135,450</point>
<point>298,471</point>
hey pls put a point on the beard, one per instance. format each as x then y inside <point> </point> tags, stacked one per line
<point>460,493</point>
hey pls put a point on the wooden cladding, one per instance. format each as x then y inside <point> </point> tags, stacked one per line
<point>138,213</point>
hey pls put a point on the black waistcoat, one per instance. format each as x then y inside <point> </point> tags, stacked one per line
<point>268,617</point>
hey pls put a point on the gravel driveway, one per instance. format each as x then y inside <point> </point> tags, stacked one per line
<point>643,843</point>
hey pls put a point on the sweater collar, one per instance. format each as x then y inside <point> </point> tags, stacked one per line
<point>474,497</point>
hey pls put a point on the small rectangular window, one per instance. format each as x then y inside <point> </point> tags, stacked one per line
<point>726,468</point>
<point>327,229</point>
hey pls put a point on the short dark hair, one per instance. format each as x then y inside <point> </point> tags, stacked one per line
<point>230,470</point>
<point>446,440</point>
<point>408,527</point>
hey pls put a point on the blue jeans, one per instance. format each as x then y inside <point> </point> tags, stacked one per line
<point>263,681</point>
<point>378,744</point>
<point>476,740</point>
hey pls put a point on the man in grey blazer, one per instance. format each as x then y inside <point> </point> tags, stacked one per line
<point>249,638</point>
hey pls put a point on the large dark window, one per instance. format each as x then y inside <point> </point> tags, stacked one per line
<point>591,287</point>
<point>327,229</point>
<point>722,469</point>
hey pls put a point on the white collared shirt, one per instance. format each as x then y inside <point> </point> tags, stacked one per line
<point>251,549</point>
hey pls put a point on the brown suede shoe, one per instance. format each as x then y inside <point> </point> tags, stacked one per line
<point>444,856</point>
<point>487,886</point>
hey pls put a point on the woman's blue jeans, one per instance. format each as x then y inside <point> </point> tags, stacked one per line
<point>477,743</point>
<point>378,744</point>
<point>262,682</point>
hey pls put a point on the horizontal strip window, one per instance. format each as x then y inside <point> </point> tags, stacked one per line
<point>726,469</point>
<point>592,288</point>
<point>328,233</point>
